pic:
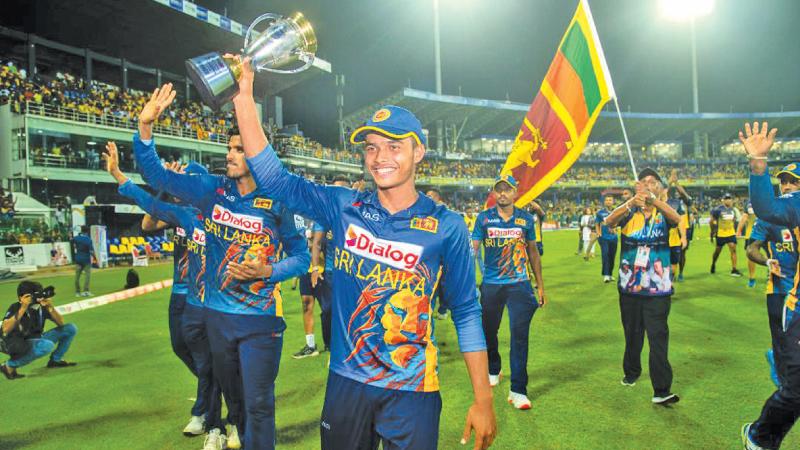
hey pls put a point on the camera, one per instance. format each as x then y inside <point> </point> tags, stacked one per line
<point>43,294</point>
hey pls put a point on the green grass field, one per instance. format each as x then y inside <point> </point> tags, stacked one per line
<point>130,392</point>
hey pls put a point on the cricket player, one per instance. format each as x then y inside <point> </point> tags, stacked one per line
<point>244,228</point>
<point>392,248</point>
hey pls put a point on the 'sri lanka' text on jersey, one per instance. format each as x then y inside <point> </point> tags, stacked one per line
<point>237,228</point>
<point>188,223</point>
<point>386,269</point>
<point>505,245</point>
<point>781,243</point>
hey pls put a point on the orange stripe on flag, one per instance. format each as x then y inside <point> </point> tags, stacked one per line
<point>567,86</point>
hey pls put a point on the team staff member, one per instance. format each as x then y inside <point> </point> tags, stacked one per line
<point>607,236</point>
<point>393,247</point>
<point>781,245</point>
<point>645,286</point>
<point>723,220</point>
<point>782,409</point>
<point>189,222</point>
<point>509,241</point>
<point>244,227</point>
<point>745,229</point>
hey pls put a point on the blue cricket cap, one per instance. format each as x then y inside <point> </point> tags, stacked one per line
<point>391,121</point>
<point>791,169</point>
<point>506,178</point>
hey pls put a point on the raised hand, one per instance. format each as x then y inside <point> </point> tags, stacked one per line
<point>111,157</point>
<point>757,140</point>
<point>159,101</point>
<point>176,166</point>
<point>246,78</point>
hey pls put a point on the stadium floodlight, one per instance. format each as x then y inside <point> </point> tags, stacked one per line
<point>683,10</point>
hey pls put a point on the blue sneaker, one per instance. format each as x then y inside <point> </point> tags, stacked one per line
<point>680,277</point>
<point>751,283</point>
<point>747,440</point>
<point>773,373</point>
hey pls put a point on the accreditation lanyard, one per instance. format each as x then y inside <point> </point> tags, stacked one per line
<point>643,251</point>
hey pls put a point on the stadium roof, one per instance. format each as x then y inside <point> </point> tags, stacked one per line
<point>147,34</point>
<point>481,117</point>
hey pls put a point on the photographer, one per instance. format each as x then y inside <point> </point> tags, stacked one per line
<point>23,330</point>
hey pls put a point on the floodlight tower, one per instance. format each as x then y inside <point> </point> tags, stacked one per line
<point>683,11</point>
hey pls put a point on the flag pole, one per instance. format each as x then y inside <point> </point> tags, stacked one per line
<point>607,74</point>
<point>625,136</point>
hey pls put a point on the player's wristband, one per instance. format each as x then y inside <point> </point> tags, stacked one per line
<point>770,261</point>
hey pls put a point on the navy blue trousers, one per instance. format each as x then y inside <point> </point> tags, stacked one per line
<point>357,416</point>
<point>608,252</point>
<point>246,355</point>
<point>522,305</point>
<point>208,401</point>
<point>782,409</point>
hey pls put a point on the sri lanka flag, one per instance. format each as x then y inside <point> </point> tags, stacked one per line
<point>557,125</point>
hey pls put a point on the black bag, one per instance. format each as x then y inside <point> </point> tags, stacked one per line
<point>132,279</point>
<point>14,346</point>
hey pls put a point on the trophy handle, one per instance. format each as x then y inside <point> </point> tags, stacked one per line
<point>258,20</point>
<point>309,57</point>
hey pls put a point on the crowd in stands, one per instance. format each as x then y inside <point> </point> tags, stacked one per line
<point>97,98</point>
<point>7,204</point>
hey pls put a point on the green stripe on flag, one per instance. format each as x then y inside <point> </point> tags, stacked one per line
<point>576,50</point>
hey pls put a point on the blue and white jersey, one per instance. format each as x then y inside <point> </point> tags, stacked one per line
<point>505,244</point>
<point>386,269</point>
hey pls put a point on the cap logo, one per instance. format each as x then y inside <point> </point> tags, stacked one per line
<point>381,115</point>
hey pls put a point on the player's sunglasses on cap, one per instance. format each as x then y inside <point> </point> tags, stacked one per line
<point>508,179</point>
<point>647,171</point>
<point>727,196</point>
<point>393,122</point>
<point>792,170</point>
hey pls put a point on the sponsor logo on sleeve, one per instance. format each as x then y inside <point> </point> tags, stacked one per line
<point>504,233</point>
<point>224,216</point>
<point>428,224</point>
<point>262,203</point>
<point>786,235</point>
<point>400,255</point>
<point>180,231</point>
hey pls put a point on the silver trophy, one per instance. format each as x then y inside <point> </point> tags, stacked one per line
<point>287,40</point>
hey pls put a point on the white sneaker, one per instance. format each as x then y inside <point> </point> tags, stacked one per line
<point>494,380</point>
<point>215,440</point>
<point>606,279</point>
<point>519,401</point>
<point>233,439</point>
<point>196,426</point>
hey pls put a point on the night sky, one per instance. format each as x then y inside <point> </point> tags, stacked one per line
<point>748,52</point>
